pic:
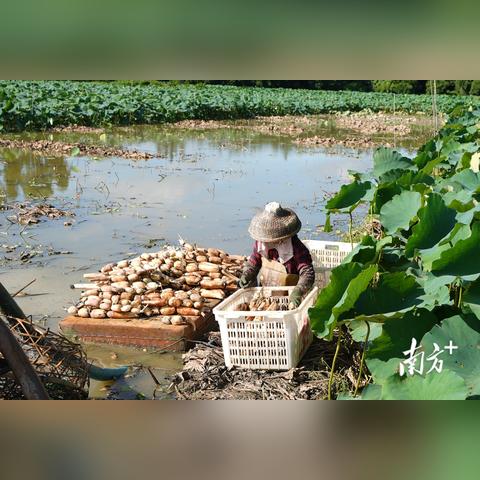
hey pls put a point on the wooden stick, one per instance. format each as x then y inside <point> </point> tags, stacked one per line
<point>9,306</point>
<point>23,288</point>
<point>154,378</point>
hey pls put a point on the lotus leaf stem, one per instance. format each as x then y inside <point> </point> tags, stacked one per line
<point>337,349</point>
<point>362,359</point>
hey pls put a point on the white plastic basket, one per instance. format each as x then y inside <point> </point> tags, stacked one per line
<point>277,342</point>
<point>325,256</point>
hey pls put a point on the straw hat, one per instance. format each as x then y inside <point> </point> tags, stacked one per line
<point>274,223</point>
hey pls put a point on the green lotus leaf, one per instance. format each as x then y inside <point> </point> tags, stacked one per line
<point>357,287</point>
<point>381,370</point>
<point>429,255</point>
<point>358,330</point>
<point>471,298</point>
<point>395,175</point>
<point>463,259</point>
<point>347,282</point>
<point>436,162</point>
<point>460,200</point>
<point>367,250</point>
<point>393,259</point>
<point>412,178</point>
<point>328,225</point>
<point>446,385</point>
<point>346,396</point>
<point>465,360</point>
<point>385,160</point>
<point>384,193</point>
<point>470,147</point>
<point>320,314</point>
<point>364,252</point>
<point>421,188</point>
<point>393,294</point>
<point>370,392</point>
<point>467,216</point>
<point>372,318</point>
<point>425,154</point>
<point>400,211</point>
<point>455,158</point>
<point>349,195</point>
<point>459,232</point>
<point>360,176</point>
<point>463,179</point>
<point>450,146</point>
<point>397,334</point>
<point>435,221</point>
<point>436,290</point>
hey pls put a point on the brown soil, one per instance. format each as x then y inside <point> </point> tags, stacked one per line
<point>381,123</point>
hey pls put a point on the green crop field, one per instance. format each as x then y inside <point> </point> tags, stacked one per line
<point>38,105</point>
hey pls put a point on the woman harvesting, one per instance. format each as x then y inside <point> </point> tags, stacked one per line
<point>278,254</point>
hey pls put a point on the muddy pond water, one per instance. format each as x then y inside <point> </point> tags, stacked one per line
<point>202,185</point>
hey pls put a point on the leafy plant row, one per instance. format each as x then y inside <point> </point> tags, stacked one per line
<point>421,277</point>
<point>38,105</point>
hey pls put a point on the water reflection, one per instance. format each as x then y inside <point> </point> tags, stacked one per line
<point>188,144</point>
<point>174,144</point>
<point>24,174</point>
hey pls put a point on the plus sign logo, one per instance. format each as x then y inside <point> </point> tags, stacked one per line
<point>418,361</point>
<point>450,347</point>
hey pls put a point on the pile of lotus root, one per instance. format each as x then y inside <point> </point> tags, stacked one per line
<point>171,284</point>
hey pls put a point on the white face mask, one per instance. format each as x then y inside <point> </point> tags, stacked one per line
<point>284,249</point>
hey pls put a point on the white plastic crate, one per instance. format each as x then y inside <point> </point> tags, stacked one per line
<point>277,342</point>
<point>325,256</point>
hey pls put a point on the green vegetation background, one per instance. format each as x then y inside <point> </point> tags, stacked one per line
<point>454,87</point>
<point>40,105</point>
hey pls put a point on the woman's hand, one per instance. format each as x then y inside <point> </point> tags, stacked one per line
<point>295,298</point>
<point>244,281</point>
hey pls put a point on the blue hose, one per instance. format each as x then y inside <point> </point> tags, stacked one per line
<point>103,374</point>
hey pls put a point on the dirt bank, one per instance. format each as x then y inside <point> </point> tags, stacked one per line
<point>360,130</point>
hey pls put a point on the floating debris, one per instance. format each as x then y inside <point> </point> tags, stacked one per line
<point>48,147</point>
<point>76,129</point>
<point>351,142</point>
<point>27,213</point>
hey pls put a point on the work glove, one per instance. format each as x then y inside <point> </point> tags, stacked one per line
<point>244,281</point>
<point>295,299</point>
